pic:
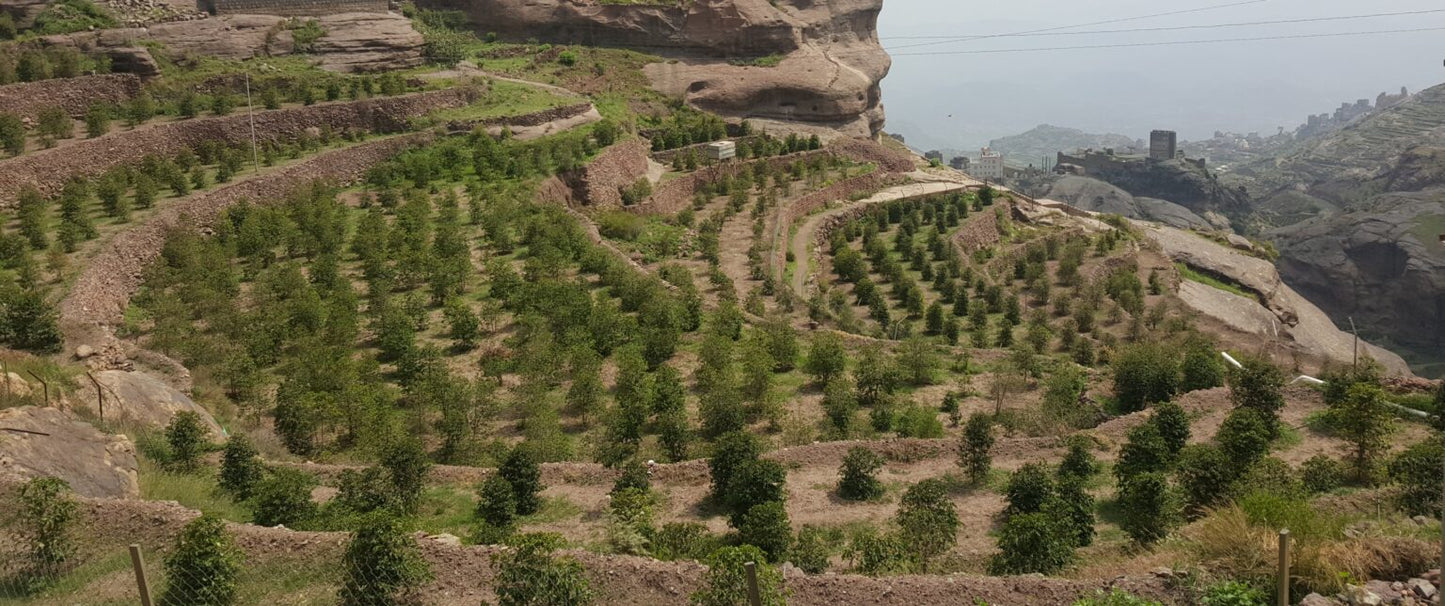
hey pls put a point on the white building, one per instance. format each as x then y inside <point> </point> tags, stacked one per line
<point>989,165</point>
<point>721,150</point>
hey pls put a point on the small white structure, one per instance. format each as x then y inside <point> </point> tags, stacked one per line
<point>721,150</point>
<point>989,165</point>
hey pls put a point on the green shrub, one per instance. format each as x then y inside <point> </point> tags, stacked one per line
<point>730,452</point>
<point>1259,385</point>
<point>1233,593</point>
<point>974,446</point>
<point>918,422</point>
<point>1114,598</point>
<point>567,58</point>
<point>1320,473</point>
<point>12,134</point>
<point>726,583</point>
<point>186,436</point>
<point>756,482</point>
<point>1032,543</point>
<point>858,477</point>
<point>928,521</point>
<point>528,574</point>
<point>684,541</point>
<point>1173,426</point>
<point>1244,436</point>
<point>202,569</point>
<point>1029,488</point>
<point>1150,507</point>
<point>1144,374</point>
<point>1417,471</point>
<point>47,519</point>
<point>766,527</point>
<point>284,498</point>
<point>521,472</point>
<point>382,564</point>
<point>1144,452</point>
<point>1205,476</point>
<point>810,550</point>
<point>66,16</point>
<point>241,468</point>
<point>875,553</point>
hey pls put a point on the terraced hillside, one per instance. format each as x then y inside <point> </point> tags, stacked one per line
<point>529,344</point>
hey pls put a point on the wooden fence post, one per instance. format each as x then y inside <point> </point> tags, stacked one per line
<point>138,562</point>
<point>43,383</point>
<point>755,597</point>
<point>1283,573</point>
<point>99,395</point>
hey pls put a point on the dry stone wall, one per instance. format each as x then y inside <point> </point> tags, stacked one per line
<point>807,204</point>
<point>103,291</point>
<point>619,166</point>
<point>74,95</point>
<point>48,170</point>
<point>296,8</point>
<point>867,150</point>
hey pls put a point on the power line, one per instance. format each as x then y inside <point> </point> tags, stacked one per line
<point>1078,25</point>
<point>1183,27</point>
<point>1171,43</point>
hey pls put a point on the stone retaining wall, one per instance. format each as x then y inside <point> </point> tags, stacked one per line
<point>807,204</point>
<point>49,169</point>
<point>100,295</point>
<point>620,165</point>
<point>675,195</point>
<point>74,95</point>
<point>295,8</point>
<point>866,150</point>
<point>540,117</point>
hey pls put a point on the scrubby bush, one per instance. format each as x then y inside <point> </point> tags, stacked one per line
<point>382,564</point>
<point>1144,374</point>
<point>973,449</point>
<point>283,498</point>
<point>730,452</point>
<point>766,527</point>
<point>1320,473</point>
<point>754,483</point>
<point>1233,593</point>
<point>1173,426</point>
<point>1032,543</point>
<point>810,550</point>
<point>241,467</point>
<point>1029,488</point>
<point>47,519</point>
<point>202,569</point>
<point>858,477</point>
<point>522,474</point>
<point>186,436</point>
<point>1259,385</point>
<point>1205,476</point>
<point>528,574</point>
<point>726,582</point>
<point>1417,471</point>
<point>1150,507</point>
<point>684,540</point>
<point>928,521</point>
<point>1244,436</point>
<point>1116,597</point>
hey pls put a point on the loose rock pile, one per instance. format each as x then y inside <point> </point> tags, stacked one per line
<point>1414,592</point>
<point>137,13</point>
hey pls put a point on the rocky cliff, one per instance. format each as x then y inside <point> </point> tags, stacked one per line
<point>808,62</point>
<point>1357,215</point>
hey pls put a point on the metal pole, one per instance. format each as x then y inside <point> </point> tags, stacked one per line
<point>43,384</point>
<point>99,395</point>
<point>5,368</point>
<point>1355,361</point>
<point>251,112</point>
<point>755,597</point>
<point>1283,589</point>
<point>138,562</point>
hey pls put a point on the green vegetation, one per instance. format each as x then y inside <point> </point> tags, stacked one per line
<point>1189,273</point>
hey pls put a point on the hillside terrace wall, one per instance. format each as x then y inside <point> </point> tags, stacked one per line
<point>48,170</point>
<point>101,294</point>
<point>675,195</point>
<point>867,150</point>
<point>808,204</point>
<point>295,8</point>
<point>74,95</point>
<point>598,184</point>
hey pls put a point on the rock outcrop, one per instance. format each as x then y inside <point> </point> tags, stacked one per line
<point>354,42</point>
<point>802,62</point>
<point>1098,196</point>
<point>141,399</point>
<point>1277,311</point>
<point>37,442</point>
<point>1357,215</point>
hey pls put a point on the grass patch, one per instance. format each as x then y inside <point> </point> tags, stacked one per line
<point>1428,229</point>
<point>1189,273</point>
<point>507,99</point>
<point>765,61</point>
<point>195,491</point>
<point>446,509</point>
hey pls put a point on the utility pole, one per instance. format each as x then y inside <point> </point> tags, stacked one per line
<point>251,113</point>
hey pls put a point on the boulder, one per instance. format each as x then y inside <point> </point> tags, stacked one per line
<point>137,397</point>
<point>36,442</point>
<point>1421,587</point>
<point>15,386</point>
<point>1356,595</point>
<point>1315,599</point>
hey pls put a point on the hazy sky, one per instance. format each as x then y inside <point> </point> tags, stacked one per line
<point>1194,89</point>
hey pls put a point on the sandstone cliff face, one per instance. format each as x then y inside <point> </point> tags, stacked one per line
<point>354,42</point>
<point>830,61</point>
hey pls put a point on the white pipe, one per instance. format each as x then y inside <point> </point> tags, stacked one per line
<point>1307,379</point>
<point>1231,359</point>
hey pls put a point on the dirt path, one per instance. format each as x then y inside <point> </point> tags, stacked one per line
<point>802,242</point>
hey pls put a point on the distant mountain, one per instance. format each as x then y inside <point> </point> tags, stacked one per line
<point>1047,140</point>
<point>1358,214</point>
